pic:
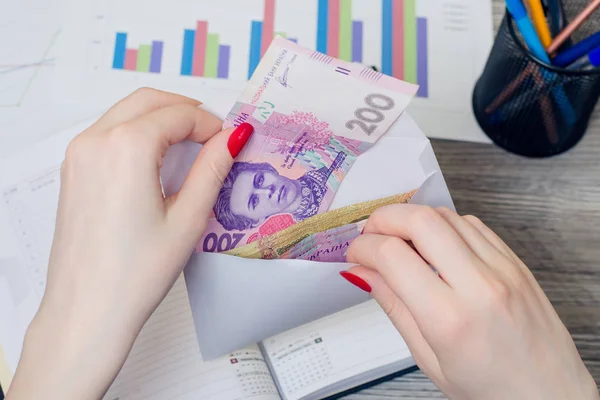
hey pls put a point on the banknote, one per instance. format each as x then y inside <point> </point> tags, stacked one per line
<point>288,243</point>
<point>328,246</point>
<point>313,115</point>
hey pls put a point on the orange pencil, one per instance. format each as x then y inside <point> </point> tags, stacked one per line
<point>539,21</point>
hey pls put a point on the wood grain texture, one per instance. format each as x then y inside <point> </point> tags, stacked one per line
<point>548,211</point>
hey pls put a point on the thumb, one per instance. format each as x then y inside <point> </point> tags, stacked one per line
<point>193,204</point>
<point>400,316</point>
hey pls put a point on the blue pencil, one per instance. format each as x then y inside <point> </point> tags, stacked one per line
<point>589,61</point>
<point>519,12</point>
<point>575,52</point>
<point>557,17</point>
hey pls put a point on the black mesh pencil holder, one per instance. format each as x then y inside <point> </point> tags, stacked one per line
<point>529,107</point>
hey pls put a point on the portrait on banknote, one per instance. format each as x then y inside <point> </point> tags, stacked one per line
<point>252,192</point>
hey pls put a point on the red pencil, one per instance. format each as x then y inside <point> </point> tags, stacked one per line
<point>562,37</point>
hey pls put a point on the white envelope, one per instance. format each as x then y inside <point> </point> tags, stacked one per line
<point>236,302</point>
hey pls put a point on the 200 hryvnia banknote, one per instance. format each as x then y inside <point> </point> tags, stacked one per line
<point>313,115</point>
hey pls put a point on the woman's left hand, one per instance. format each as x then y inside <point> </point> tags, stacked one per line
<point>119,245</point>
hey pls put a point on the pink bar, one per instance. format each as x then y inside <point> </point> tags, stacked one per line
<point>131,59</point>
<point>268,28</point>
<point>200,48</point>
<point>333,30</point>
<point>398,41</point>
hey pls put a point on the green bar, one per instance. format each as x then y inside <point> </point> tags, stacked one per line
<point>410,41</point>
<point>345,30</point>
<point>212,56</point>
<point>143,59</point>
<point>282,34</point>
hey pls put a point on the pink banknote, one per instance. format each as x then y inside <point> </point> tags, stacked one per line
<point>328,246</point>
<point>313,115</point>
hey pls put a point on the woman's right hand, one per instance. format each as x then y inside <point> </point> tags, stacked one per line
<point>481,328</point>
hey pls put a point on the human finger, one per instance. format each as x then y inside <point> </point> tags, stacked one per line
<point>399,315</point>
<point>157,130</point>
<point>404,271</point>
<point>195,200</point>
<point>436,241</point>
<point>138,103</point>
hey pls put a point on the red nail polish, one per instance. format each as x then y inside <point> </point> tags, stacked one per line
<point>238,139</point>
<point>356,281</point>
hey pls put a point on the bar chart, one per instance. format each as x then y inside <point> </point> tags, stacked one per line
<point>145,58</point>
<point>205,46</point>
<point>404,37</point>
<point>338,35</point>
<point>261,35</point>
<point>203,55</point>
<point>404,43</point>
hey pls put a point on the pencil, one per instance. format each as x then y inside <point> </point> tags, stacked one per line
<point>546,109</point>
<point>557,16</point>
<point>539,21</point>
<point>508,92</point>
<point>573,26</point>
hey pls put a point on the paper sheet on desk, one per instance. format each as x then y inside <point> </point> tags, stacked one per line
<point>237,301</point>
<point>8,356</point>
<point>454,39</point>
<point>29,50</point>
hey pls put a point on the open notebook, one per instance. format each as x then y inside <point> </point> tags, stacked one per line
<point>323,358</point>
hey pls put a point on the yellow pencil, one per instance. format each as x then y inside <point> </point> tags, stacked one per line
<point>539,21</point>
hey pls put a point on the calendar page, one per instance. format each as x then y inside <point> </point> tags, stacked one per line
<point>336,353</point>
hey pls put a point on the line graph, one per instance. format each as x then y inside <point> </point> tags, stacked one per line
<point>16,79</point>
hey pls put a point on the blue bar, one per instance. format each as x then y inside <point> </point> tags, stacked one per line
<point>386,38</point>
<point>322,22</point>
<point>255,43</point>
<point>187,56</point>
<point>120,47</point>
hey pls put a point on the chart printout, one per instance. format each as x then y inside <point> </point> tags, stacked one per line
<point>202,47</point>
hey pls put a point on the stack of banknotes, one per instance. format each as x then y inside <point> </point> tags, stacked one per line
<point>313,115</point>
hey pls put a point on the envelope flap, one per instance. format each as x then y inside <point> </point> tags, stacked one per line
<point>237,302</point>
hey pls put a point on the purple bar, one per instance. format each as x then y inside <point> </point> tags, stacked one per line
<point>422,54</point>
<point>223,69</point>
<point>293,40</point>
<point>156,57</point>
<point>357,41</point>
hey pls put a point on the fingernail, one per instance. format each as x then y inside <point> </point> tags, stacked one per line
<point>363,230</point>
<point>238,139</point>
<point>356,281</point>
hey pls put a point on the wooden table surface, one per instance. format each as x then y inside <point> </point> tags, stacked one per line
<point>548,211</point>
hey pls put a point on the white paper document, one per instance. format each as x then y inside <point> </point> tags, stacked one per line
<point>112,47</point>
<point>30,41</point>
<point>29,32</point>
